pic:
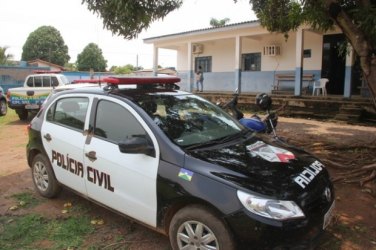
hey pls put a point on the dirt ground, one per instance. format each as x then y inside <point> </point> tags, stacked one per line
<point>342,148</point>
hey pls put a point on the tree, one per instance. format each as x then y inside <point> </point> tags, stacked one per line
<point>91,58</point>
<point>356,19</point>
<point>127,69</point>
<point>47,44</point>
<point>4,57</point>
<point>216,23</point>
<point>128,17</point>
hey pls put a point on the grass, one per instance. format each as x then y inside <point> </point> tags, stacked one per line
<point>26,200</point>
<point>9,117</point>
<point>36,232</point>
<point>33,231</point>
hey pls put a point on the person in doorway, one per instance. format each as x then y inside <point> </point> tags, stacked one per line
<point>199,80</point>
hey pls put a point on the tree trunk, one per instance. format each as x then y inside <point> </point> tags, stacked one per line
<point>358,40</point>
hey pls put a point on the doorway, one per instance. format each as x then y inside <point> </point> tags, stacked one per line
<point>333,64</point>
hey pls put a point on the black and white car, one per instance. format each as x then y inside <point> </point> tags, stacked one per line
<point>179,164</point>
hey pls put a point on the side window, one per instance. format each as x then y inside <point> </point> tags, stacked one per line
<point>54,81</point>
<point>70,112</point>
<point>205,62</point>
<point>30,82</point>
<point>37,81</point>
<point>251,62</point>
<point>46,81</point>
<point>115,123</point>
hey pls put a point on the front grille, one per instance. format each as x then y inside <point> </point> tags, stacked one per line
<point>315,201</point>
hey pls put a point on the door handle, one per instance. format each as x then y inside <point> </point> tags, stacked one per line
<point>92,155</point>
<point>47,137</point>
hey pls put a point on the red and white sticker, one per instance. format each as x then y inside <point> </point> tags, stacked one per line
<point>270,153</point>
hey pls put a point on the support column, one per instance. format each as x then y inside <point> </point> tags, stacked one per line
<point>299,62</point>
<point>237,78</point>
<point>348,72</point>
<point>155,61</point>
<point>190,68</point>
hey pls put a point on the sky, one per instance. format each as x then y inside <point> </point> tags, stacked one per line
<point>79,27</point>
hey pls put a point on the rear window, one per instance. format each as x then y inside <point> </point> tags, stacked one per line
<point>70,112</point>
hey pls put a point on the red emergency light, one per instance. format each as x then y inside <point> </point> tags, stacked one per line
<point>140,80</point>
<point>89,81</point>
<point>47,71</point>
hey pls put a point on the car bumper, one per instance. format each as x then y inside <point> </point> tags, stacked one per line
<point>298,234</point>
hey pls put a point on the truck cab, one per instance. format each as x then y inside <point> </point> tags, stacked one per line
<point>30,97</point>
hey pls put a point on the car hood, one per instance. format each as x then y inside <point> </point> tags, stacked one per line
<point>265,166</point>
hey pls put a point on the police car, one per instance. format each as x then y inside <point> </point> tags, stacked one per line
<point>177,163</point>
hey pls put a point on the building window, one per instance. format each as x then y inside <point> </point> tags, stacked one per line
<point>307,53</point>
<point>251,62</point>
<point>205,62</point>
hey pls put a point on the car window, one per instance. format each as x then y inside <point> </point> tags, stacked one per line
<point>188,120</point>
<point>114,123</point>
<point>70,112</point>
<point>54,81</point>
<point>30,82</point>
<point>46,81</point>
<point>37,81</point>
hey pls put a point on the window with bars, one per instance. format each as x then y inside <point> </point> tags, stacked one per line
<point>205,62</point>
<point>251,62</point>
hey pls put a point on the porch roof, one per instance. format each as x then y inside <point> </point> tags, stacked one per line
<point>253,23</point>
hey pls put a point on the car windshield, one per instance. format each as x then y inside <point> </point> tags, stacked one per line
<point>189,120</point>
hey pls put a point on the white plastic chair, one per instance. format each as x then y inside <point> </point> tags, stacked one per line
<point>320,84</point>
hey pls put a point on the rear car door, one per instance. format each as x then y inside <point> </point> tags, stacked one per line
<point>125,182</point>
<point>64,138</point>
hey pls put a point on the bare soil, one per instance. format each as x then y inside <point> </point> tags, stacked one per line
<point>343,148</point>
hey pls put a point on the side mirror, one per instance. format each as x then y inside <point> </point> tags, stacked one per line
<point>137,144</point>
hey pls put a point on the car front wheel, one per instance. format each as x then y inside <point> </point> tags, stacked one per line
<point>196,227</point>
<point>43,177</point>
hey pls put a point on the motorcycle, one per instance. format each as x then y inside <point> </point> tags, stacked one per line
<point>264,102</point>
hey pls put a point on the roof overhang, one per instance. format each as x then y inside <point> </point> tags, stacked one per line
<point>205,31</point>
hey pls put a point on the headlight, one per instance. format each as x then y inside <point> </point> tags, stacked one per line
<point>273,209</point>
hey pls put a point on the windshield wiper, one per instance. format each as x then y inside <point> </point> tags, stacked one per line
<point>221,140</point>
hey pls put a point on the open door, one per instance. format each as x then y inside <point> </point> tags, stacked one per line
<point>333,64</point>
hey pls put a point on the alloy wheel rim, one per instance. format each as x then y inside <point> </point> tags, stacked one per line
<point>41,176</point>
<point>196,235</point>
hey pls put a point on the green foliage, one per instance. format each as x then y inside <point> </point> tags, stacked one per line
<point>10,117</point>
<point>69,232</point>
<point>285,15</point>
<point>91,58</point>
<point>22,231</point>
<point>4,57</point>
<point>128,17</point>
<point>47,44</point>
<point>127,69</point>
<point>70,66</point>
<point>26,232</point>
<point>216,23</point>
<point>366,20</point>
<point>26,199</point>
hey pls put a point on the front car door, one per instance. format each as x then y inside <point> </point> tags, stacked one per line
<point>125,182</point>
<point>64,138</point>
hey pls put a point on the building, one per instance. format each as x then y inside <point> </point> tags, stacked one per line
<point>247,57</point>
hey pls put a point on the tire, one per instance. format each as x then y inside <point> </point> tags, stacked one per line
<point>43,177</point>
<point>3,107</point>
<point>22,114</point>
<point>191,225</point>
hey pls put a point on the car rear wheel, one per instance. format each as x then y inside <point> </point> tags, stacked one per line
<point>22,114</point>
<point>43,177</point>
<point>3,107</point>
<point>196,227</point>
